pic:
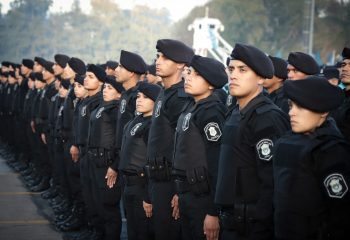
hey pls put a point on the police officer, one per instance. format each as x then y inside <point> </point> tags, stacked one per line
<point>245,186</point>
<point>301,65</point>
<point>110,67</point>
<point>311,166</point>
<point>172,57</point>
<point>342,115</point>
<point>274,85</point>
<point>133,160</point>
<point>75,66</point>
<point>101,154</point>
<point>131,67</point>
<point>197,149</point>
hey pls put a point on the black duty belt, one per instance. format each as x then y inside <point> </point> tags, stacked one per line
<point>131,180</point>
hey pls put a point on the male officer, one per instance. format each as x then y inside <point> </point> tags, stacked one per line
<point>274,85</point>
<point>342,116</point>
<point>244,186</point>
<point>172,57</point>
<point>301,65</point>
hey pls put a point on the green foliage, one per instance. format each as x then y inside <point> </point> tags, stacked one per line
<point>27,30</point>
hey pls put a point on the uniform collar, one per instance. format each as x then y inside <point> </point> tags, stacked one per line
<point>252,104</point>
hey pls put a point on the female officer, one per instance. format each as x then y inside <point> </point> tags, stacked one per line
<point>197,147</point>
<point>312,166</point>
<point>133,159</point>
<point>101,150</point>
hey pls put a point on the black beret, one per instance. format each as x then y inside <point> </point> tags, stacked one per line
<point>32,76</point>
<point>48,66</point>
<point>79,79</point>
<point>98,71</point>
<point>77,65</point>
<point>39,60</point>
<point>12,74</point>
<point>61,60</point>
<point>211,70</point>
<point>5,63</point>
<point>304,63</point>
<point>151,69</point>
<point>314,93</point>
<point>5,74</point>
<point>280,67</point>
<point>39,77</point>
<point>346,53</point>
<point>132,62</point>
<point>28,63</point>
<point>65,83</point>
<point>112,64</point>
<point>175,50</point>
<point>103,65</point>
<point>16,65</point>
<point>257,60</point>
<point>149,89</point>
<point>331,72</point>
<point>110,79</point>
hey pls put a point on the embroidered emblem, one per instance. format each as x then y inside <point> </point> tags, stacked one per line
<point>157,110</point>
<point>134,129</point>
<point>99,112</point>
<point>229,100</point>
<point>60,111</point>
<point>186,122</point>
<point>83,111</point>
<point>336,185</point>
<point>264,148</point>
<point>212,131</point>
<point>122,106</point>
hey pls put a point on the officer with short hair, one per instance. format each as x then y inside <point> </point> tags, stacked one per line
<point>172,56</point>
<point>311,166</point>
<point>245,183</point>
<point>301,65</point>
<point>274,85</point>
<point>342,115</point>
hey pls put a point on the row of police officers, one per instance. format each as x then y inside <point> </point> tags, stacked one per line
<point>269,161</point>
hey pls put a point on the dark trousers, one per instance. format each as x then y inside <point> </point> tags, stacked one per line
<point>165,226</point>
<point>106,201</point>
<point>139,227</point>
<point>193,210</point>
<point>61,168</point>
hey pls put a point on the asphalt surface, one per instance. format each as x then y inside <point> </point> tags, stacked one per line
<point>24,215</point>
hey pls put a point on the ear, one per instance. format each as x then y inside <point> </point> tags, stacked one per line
<point>180,66</point>
<point>261,80</point>
<point>324,115</point>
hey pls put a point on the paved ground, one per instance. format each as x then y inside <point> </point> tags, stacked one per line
<point>20,217</point>
<point>25,215</point>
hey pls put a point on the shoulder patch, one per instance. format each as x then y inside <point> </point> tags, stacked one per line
<point>134,129</point>
<point>157,109</point>
<point>212,131</point>
<point>99,112</point>
<point>83,111</point>
<point>335,185</point>
<point>122,106</point>
<point>264,149</point>
<point>186,122</point>
<point>229,100</point>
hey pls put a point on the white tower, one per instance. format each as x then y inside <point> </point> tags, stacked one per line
<point>206,38</point>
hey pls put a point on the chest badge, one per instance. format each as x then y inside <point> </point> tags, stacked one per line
<point>122,106</point>
<point>264,148</point>
<point>157,110</point>
<point>336,185</point>
<point>212,131</point>
<point>229,100</point>
<point>134,129</point>
<point>99,112</point>
<point>186,122</point>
